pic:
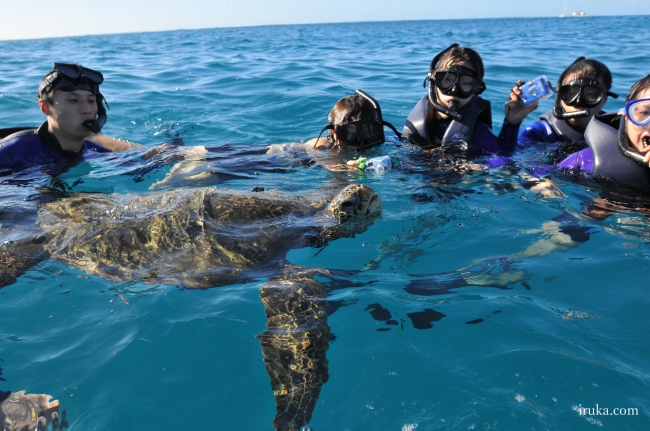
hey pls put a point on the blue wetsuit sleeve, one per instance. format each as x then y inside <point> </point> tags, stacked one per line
<point>485,139</point>
<point>508,136</point>
<point>92,146</point>
<point>539,131</point>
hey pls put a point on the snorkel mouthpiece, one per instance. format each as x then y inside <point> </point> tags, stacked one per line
<point>559,113</point>
<point>95,125</point>
<point>450,112</point>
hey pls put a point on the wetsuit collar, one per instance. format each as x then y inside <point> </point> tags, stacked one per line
<point>51,143</point>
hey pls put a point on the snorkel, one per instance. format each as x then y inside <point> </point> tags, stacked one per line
<point>626,149</point>
<point>96,125</point>
<point>72,77</point>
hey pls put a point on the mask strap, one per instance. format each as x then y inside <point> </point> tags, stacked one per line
<point>437,58</point>
<point>391,127</point>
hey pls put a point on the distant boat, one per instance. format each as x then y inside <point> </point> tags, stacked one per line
<point>579,14</point>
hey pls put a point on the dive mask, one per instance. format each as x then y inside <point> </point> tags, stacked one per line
<point>363,133</point>
<point>458,81</point>
<point>637,111</point>
<point>583,93</point>
<point>70,77</point>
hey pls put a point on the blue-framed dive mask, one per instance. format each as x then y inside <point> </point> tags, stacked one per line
<point>637,111</point>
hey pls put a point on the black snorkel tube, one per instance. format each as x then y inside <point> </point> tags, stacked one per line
<point>96,125</point>
<point>559,113</point>
<point>450,111</point>
<point>624,145</point>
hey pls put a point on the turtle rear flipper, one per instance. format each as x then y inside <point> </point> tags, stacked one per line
<point>294,348</point>
<point>17,257</point>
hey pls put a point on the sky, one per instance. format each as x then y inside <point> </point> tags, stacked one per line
<point>36,19</point>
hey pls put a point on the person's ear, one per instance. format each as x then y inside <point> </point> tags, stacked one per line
<point>45,108</point>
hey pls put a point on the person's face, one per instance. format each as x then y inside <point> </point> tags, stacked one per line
<point>639,136</point>
<point>69,110</point>
<point>445,100</point>
<point>592,111</point>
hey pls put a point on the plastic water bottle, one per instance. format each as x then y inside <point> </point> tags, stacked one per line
<point>377,164</point>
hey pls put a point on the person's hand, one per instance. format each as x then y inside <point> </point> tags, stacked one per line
<point>516,111</point>
<point>354,163</point>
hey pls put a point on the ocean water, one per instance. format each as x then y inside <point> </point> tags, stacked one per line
<point>546,325</point>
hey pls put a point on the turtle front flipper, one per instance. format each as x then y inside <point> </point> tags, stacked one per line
<point>29,412</point>
<point>17,257</point>
<point>294,347</point>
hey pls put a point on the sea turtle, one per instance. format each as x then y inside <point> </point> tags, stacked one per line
<point>206,237</point>
<point>28,412</point>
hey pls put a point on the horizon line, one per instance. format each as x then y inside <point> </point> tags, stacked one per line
<point>307,23</point>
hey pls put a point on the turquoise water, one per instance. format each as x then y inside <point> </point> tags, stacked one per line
<point>570,330</point>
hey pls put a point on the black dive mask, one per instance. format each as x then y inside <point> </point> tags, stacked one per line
<point>71,77</point>
<point>583,93</point>
<point>580,93</point>
<point>364,133</point>
<point>458,81</point>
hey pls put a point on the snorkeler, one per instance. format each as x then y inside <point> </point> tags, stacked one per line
<point>69,97</point>
<point>619,143</point>
<point>355,124</point>
<point>583,89</point>
<point>453,115</point>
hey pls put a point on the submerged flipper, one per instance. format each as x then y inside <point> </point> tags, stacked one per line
<point>30,412</point>
<point>17,257</point>
<point>294,347</point>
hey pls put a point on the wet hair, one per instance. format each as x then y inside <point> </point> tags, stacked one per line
<point>457,54</point>
<point>638,87</point>
<point>584,68</point>
<point>351,108</point>
<point>48,97</point>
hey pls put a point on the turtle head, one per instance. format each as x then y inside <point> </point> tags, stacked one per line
<point>355,201</point>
